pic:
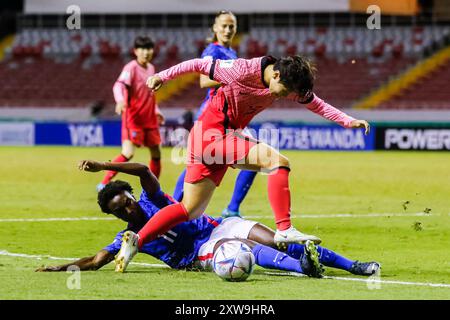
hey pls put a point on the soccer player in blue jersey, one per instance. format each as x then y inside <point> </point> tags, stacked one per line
<point>191,245</point>
<point>224,30</point>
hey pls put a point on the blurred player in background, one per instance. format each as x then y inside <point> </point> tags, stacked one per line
<point>224,29</point>
<point>141,116</point>
<point>192,244</point>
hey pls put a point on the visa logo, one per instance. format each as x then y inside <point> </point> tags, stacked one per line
<point>90,135</point>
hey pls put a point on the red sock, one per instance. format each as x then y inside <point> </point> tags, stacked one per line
<point>155,166</point>
<point>162,221</point>
<point>111,174</point>
<point>280,197</point>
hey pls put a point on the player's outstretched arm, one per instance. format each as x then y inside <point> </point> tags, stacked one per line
<point>327,111</point>
<point>148,180</point>
<point>361,124</point>
<point>89,263</point>
<point>202,66</point>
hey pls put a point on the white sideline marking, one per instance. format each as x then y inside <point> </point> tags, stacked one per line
<point>301,216</point>
<point>153,265</point>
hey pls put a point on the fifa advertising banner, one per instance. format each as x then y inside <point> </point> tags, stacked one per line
<point>417,138</point>
<point>279,135</point>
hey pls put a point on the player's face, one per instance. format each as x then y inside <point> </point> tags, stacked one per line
<point>225,29</point>
<point>143,55</point>
<point>125,207</point>
<point>277,88</point>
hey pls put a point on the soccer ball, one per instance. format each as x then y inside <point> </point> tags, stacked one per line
<point>233,261</point>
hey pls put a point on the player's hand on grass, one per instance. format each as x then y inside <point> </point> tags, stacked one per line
<point>120,107</point>
<point>89,165</point>
<point>48,269</point>
<point>154,83</point>
<point>355,124</point>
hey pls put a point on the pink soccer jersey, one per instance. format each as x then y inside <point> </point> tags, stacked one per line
<point>140,102</point>
<point>245,91</point>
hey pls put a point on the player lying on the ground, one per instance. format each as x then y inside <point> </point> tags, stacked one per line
<point>191,244</point>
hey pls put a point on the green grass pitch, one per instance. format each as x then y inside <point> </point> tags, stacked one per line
<point>383,191</point>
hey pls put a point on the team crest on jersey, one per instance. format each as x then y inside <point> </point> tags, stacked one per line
<point>125,75</point>
<point>226,63</point>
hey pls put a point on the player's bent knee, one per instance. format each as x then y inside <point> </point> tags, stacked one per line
<point>283,162</point>
<point>280,161</point>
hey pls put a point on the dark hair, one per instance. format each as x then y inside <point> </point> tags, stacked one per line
<point>143,42</point>
<point>297,73</point>
<point>218,14</point>
<point>111,190</point>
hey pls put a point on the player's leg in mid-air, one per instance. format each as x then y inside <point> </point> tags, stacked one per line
<point>242,185</point>
<point>264,158</point>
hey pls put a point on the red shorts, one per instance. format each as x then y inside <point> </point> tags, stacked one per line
<point>141,136</point>
<point>212,149</point>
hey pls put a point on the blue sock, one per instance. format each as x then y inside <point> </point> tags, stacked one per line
<point>270,258</point>
<point>179,187</point>
<point>326,256</point>
<point>243,183</point>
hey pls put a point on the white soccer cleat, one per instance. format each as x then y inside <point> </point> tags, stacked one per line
<point>292,235</point>
<point>127,251</point>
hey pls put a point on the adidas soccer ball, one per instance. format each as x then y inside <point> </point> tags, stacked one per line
<point>233,261</point>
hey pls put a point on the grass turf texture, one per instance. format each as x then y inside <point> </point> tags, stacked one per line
<point>43,182</point>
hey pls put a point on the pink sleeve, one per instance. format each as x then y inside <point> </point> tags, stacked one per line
<point>120,92</point>
<point>202,66</point>
<point>329,112</point>
<point>226,71</point>
<point>126,75</point>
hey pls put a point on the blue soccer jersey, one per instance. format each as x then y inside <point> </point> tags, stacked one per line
<point>215,51</point>
<point>178,247</point>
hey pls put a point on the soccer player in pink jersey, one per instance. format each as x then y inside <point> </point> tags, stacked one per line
<point>141,116</point>
<point>216,141</point>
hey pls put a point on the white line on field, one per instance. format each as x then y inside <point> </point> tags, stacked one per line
<point>41,257</point>
<point>153,265</point>
<point>300,216</point>
<point>351,215</point>
<point>56,219</point>
<point>442,285</point>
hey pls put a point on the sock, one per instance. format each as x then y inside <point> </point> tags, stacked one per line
<point>111,174</point>
<point>270,258</point>
<point>326,256</point>
<point>155,166</point>
<point>164,220</point>
<point>280,197</point>
<point>243,183</point>
<point>179,187</point>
